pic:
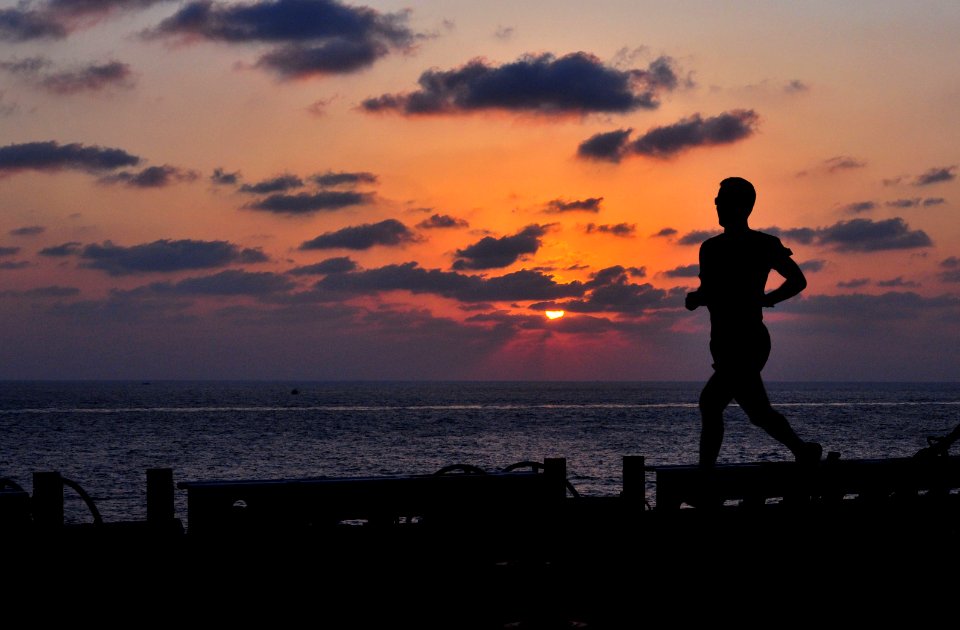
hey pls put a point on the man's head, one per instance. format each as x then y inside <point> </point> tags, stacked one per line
<point>735,201</point>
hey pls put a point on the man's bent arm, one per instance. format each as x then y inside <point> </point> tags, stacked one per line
<point>794,282</point>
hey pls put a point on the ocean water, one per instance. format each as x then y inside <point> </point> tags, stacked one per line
<point>105,435</point>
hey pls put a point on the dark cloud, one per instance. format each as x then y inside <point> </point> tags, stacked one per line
<point>281,183</point>
<point>223,178</point>
<point>340,264</point>
<point>613,292</point>
<point>853,284</point>
<point>859,206</point>
<point>519,285</point>
<point>618,229</point>
<point>51,156</point>
<point>43,292</point>
<point>331,178</point>
<point>20,25</point>
<point>442,221</point>
<point>666,232</point>
<point>796,86</point>
<point>557,206</point>
<point>491,253</point>
<point>952,266</point>
<point>813,266</point>
<point>608,146</point>
<point>152,177</point>
<point>898,282</point>
<point>9,251</point>
<point>311,37</point>
<point>57,251</point>
<point>165,256</point>
<point>544,84</point>
<point>695,131</point>
<point>864,235</point>
<point>91,78</point>
<point>228,282</point>
<point>684,271</point>
<point>55,19</point>
<point>9,264</point>
<point>935,176</point>
<point>29,230</point>
<point>389,232</point>
<point>860,308</point>
<point>697,236</point>
<point>904,203</point>
<point>308,203</point>
<point>842,163</point>
<point>804,236</point>
<point>933,201</point>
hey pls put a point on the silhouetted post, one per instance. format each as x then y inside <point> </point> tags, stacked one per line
<point>47,499</point>
<point>555,471</point>
<point>159,496</point>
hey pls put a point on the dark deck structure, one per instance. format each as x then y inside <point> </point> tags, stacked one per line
<point>513,548</point>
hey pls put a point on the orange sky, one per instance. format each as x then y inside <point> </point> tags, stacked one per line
<point>122,256</point>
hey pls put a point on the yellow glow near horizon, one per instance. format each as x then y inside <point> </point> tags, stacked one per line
<point>554,314</point>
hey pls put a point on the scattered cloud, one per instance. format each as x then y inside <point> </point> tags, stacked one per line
<point>331,178</point>
<point>225,283</point>
<point>389,233</point>
<point>491,253</point>
<point>935,176</point>
<point>618,229</point>
<point>898,282</point>
<point>864,235</point>
<point>611,291</point>
<point>309,37</point>
<point>504,32</point>
<point>9,251</point>
<point>161,256</point>
<point>933,201</point>
<point>608,146</point>
<point>308,203</point>
<point>438,221</point>
<point>10,265</point>
<point>670,140</point>
<point>577,83</point>
<point>93,77</point>
<point>340,264</point>
<point>812,266</point>
<point>684,271</point>
<point>951,266</point>
<point>50,157</point>
<point>57,251</point>
<point>697,236</point>
<point>836,164</point>
<point>859,206</point>
<point>29,230</point>
<point>53,291</point>
<point>281,183</point>
<point>557,206</point>
<point>516,286</point>
<point>152,177</point>
<point>903,203</point>
<point>804,236</point>
<point>856,283</point>
<point>55,19</point>
<point>667,232</point>
<point>795,87</point>
<point>222,178</point>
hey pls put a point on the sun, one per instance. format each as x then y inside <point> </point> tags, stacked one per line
<point>554,314</point>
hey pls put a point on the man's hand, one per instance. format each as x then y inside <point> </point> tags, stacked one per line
<point>693,301</point>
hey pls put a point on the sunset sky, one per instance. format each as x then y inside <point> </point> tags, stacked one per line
<point>309,189</point>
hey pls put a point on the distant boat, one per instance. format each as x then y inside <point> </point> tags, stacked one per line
<point>294,391</point>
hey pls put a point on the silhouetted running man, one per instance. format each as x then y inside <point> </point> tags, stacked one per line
<point>734,267</point>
